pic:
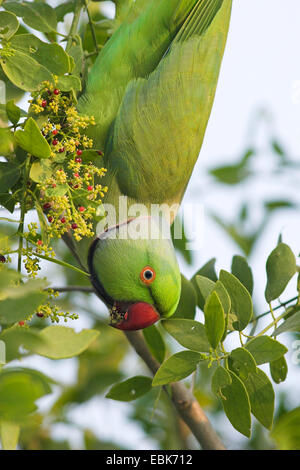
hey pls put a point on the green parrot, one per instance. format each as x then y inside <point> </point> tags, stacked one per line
<point>151,91</point>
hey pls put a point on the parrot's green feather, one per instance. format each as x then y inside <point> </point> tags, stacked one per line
<point>199,19</point>
<point>159,129</point>
<point>134,51</point>
<point>151,91</point>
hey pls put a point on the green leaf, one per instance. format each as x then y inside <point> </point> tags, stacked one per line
<point>235,399</point>
<point>6,143</point>
<point>265,349</point>
<point>25,72</point>
<point>242,271</point>
<point>61,342</point>
<point>234,174</point>
<point>286,431</point>
<point>279,370</point>
<point>21,301</point>
<point>241,302</point>
<point>177,367</point>
<point>17,338</point>
<point>76,52</point>
<point>130,389</point>
<point>32,140</point>
<point>279,150</point>
<point>231,174</point>
<point>40,170</point>
<point>8,276</point>
<point>9,433</point>
<point>242,362</point>
<point>19,390</point>
<point>188,300</point>
<point>261,396</point>
<point>9,175</point>
<point>8,201</point>
<point>58,190</point>
<point>180,241</point>
<point>281,267</point>
<point>291,324</point>
<point>37,15</point>
<point>13,112</point>
<point>220,379</point>
<point>275,205</point>
<point>189,333</point>
<point>64,8</point>
<point>8,24</point>
<point>206,287</point>
<point>155,342</point>
<point>51,56</point>
<point>214,319</point>
<point>68,83</point>
<point>208,270</point>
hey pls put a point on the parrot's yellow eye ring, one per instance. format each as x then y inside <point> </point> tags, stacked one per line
<point>147,275</point>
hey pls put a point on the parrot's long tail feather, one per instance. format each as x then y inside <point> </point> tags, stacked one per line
<point>199,19</point>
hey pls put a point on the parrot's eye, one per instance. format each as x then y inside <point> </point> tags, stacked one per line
<point>147,275</point>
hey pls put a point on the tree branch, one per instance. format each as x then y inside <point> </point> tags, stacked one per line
<point>185,403</point>
<point>74,25</point>
<point>86,289</point>
<point>92,28</point>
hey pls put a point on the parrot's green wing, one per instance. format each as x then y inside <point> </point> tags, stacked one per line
<point>159,129</point>
<point>134,51</point>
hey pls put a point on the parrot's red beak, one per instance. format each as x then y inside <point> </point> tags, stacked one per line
<point>137,316</point>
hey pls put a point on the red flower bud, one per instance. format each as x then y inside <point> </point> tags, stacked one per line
<point>56,91</point>
<point>79,152</point>
<point>44,103</point>
<point>54,142</point>
<point>81,209</point>
<point>74,226</point>
<point>46,206</point>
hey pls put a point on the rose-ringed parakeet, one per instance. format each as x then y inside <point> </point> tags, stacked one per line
<point>151,91</point>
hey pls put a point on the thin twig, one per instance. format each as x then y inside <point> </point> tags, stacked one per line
<point>86,289</point>
<point>283,304</point>
<point>23,212</point>
<point>91,27</point>
<point>74,25</point>
<point>186,405</point>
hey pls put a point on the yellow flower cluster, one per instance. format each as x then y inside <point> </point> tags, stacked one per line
<point>34,246</point>
<point>31,264</point>
<point>71,195</point>
<point>54,313</point>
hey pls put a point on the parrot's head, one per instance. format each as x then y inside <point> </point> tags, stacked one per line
<point>134,270</point>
